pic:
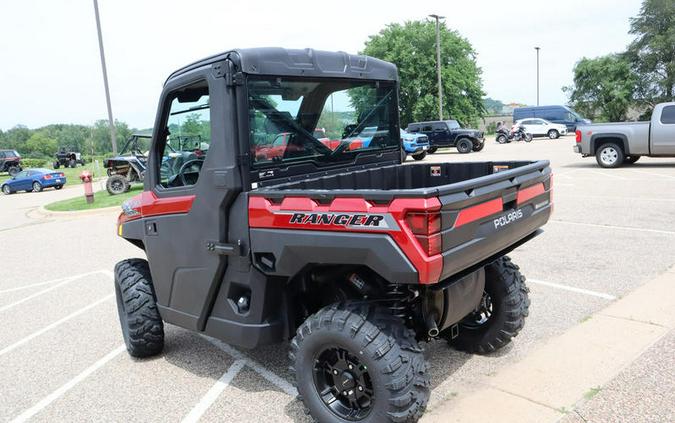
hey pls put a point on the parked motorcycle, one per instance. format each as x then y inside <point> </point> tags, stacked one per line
<point>517,133</point>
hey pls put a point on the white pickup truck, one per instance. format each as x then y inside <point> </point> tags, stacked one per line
<point>615,144</point>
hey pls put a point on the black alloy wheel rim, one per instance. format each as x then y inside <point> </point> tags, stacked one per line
<point>343,383</point>
<point>117,186</point>
<point>482,315</point>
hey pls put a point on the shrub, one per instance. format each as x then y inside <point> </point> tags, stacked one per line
<point>32,163</point>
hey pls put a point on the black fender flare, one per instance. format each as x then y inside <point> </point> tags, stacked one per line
<point>285,252</point>
<point>598,139</point>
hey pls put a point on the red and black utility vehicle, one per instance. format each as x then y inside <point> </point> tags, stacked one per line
<point>347,253</point>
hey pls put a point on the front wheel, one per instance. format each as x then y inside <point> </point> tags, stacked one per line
<point>502,139</point>
<point>142,326</point>
<point>72,164</point>
<point>609,155</point>
<point>56,165</point>
<point>420,156</point>
<point>464,146</point>
<point>479,147</point>
<point>501,313</point>
<point>432,150</point>
<point>528,137</point>
<point>553,134</point>
<point>358,362</point>
<point>6,190</point>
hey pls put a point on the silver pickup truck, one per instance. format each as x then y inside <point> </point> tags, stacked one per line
<point>614,144</point>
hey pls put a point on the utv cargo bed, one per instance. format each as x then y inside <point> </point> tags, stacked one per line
<point>461,214</point>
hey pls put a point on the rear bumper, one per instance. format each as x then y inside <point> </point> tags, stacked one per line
<point>577,148</point>
<point>53,182</point>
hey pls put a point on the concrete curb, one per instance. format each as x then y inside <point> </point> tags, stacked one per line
<point>43,212</point>
<point>554,377</point>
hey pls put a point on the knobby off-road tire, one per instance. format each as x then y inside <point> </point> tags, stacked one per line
<point>142,326</point>
<point>507,297</point>
<point>432,150</point>
<point>464,146</point>
<point>479,147</point>
<point>117,184</point>
<point>370,338</point>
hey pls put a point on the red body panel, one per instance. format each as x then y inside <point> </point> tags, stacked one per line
<point>263,213</point>
<point>147,204</point>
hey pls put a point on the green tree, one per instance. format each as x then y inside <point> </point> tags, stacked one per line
<point>603,87</point>
<point>652,53</point>
<point>100,135</point>
<point>493,106</point>
<point>40,145</point>
<point>412,47</point>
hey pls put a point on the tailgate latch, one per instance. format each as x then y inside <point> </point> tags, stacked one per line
<point>224,249</point>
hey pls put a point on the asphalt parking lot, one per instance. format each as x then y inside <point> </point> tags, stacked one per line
<point>62,355</point>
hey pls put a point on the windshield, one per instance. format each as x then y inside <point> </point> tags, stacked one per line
<point>453,124</point>
<point>321,121</point>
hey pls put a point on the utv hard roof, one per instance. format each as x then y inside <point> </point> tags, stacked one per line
<point>306,63</point>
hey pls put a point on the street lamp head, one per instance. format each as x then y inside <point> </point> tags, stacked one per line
<point>437,16</point>
<point>537,48</point>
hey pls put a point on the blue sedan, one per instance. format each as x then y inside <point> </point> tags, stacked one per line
<point>34,180</point>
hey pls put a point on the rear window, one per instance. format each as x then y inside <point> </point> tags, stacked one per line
<point>668,115</point>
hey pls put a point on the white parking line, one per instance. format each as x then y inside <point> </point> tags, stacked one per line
<point>573,289</point>
<point>53,287</point>
<point>67,386</point>
<point>660,175</point>
<point>625,228</point>
<point>212,395</point>
<point>271,377</point>
<point>53,325</point>
<point>609,175</point>
<point>20,288</point>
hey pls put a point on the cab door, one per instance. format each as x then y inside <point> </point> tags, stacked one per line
<point>192,180</point>
<point>662,130</point>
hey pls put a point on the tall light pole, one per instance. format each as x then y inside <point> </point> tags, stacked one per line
<point>537,48</point>
<point>113,136</point>
<point>438,64</point>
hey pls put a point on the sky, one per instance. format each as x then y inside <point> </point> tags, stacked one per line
<point>50,70</point>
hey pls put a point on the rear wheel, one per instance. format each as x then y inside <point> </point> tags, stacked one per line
<point>56,165</point>
<point>528,137</point>
<point>357,362</point>
<point>37,187</point>
<point>501,313</point>
<point>553,134</point>
<point>464,146</point>
<point>420,156</point>
<point>142,326</point>
<point>117,184</point>
<point>631,159</point>
<point>57,187</point>
<point>13,170</point>
<point>609,155</point>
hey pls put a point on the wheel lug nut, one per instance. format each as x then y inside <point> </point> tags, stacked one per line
<point>335,372</point>
<point>360,388</point>
<point>344,393</point>
<point>351,367</point>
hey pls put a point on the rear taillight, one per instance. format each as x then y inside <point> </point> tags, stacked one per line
<point>427,230</point>
<point>47,177</point>
<point>578,133</point>
<point>61,175</point>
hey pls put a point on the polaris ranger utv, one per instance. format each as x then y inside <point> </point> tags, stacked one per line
<point>346,252</point>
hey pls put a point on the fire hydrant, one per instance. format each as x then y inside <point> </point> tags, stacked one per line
<point>86,178</point>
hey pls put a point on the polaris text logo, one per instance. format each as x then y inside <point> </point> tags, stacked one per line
<point>370,221</point>
<point>508,218</point>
